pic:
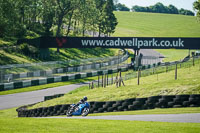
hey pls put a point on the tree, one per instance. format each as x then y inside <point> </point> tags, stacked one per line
<point>186,12</point>
<point>63,8</point>
<point>197,7</point>
<point>9,20</point>
<point>121,7</point>
<point>41,16</point>
<point>110,21</point>
<point>99,5</point>
<point>160,8</point>
<point>173,9</point>
<point>48,15</point>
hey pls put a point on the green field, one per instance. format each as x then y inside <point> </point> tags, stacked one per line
<point>137,24</point>
<point>173,55</point>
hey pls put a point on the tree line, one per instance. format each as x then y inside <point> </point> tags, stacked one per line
<point>56,17</point>
<point>157,8</point>
<point>160,8</point>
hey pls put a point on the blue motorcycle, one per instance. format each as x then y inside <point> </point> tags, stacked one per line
<point>81,109</point>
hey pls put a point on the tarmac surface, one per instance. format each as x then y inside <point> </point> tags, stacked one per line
<point>25,98</point>
<point>179,118</point>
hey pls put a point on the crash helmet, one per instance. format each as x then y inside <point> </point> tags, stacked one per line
<point>85,98</point>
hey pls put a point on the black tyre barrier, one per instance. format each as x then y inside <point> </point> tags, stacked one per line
<point>34,82</point>
<point>78,76</point>
<point>171,101</point>
<point>50,80</point>
<point>18,85</point>
<point>53,96</point>
<point>64,78</point>
<point>1,87</point>
<point>89,74</point>
<point>29,74</point>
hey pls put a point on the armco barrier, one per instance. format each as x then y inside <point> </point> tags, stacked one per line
<point>79,68</point>
<point>167,101</point>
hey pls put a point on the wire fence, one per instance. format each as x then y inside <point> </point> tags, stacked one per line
<point>143,71</point>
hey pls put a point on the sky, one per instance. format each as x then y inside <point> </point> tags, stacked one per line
<point>186,4</point>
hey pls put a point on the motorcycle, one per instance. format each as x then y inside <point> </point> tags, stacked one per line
<point>81,109</point>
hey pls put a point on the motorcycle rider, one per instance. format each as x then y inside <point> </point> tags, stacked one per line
<point>82,101</point>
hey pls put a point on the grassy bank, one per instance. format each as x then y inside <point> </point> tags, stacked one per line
<point>137,24</point>
<point>162,84</point>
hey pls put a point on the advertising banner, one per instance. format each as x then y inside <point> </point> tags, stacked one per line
<point>117,42</point>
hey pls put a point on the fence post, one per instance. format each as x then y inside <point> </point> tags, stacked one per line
<point>193,61</point>
<point>166,68</point>
<point>98,80</point>
<point>176,73</point>
<point>92,85</point>
<point>102,80</point>
<point>199,64</point>
<point>138,76</point>
<point>107,79</point>
<point>112,78</point>
<point>120,77</point>
<point>157,73</point>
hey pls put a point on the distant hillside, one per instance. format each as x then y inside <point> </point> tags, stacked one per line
<point>138,24</point>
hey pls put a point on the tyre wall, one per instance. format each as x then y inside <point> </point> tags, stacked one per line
<point>47,80</point>
<point>168,101</point>
<point>53,96</point>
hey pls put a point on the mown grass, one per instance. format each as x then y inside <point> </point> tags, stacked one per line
<point>91,126</point>
<point>11,124</point>
<point>153,111</point>
<point>188,82</point>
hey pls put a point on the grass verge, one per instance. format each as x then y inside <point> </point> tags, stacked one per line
<point>153,111</point>
<point>11,124</point>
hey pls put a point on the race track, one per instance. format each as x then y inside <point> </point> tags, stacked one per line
<point>20,99</point>
<point>180,118</point>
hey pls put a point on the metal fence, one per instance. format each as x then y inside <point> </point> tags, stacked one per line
<point>146,70</point>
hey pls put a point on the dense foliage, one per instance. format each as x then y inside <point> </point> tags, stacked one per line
<point>160,8</point>
<point>56,17</point>
<point>197,7</point>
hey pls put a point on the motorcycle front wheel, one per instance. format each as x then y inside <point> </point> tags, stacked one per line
<point>69,112</point>
<point>85,111</point>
